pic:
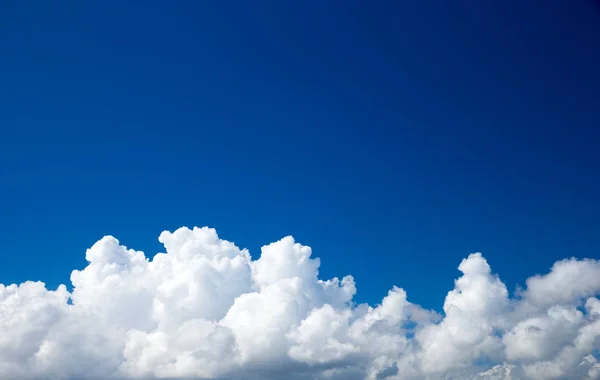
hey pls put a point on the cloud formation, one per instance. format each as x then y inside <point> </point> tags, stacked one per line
<point>206,310</point>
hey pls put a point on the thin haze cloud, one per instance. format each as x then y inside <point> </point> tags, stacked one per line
<point>207,310</point>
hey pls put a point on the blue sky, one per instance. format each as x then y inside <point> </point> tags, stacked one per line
<point>394,138</point>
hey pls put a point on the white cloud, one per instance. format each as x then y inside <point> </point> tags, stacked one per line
<point>569,281</point>
<point>206,310</point>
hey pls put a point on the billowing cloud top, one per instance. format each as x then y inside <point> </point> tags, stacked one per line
<point>206,310</point>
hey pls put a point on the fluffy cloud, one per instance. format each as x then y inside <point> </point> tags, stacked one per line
<point>206,310</point>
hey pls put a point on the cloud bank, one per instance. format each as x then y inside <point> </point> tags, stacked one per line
<point>206,310</point>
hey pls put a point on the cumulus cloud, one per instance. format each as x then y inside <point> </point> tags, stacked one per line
<point>205,309</point>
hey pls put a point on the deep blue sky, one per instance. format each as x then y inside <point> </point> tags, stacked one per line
<point>394,138</point>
